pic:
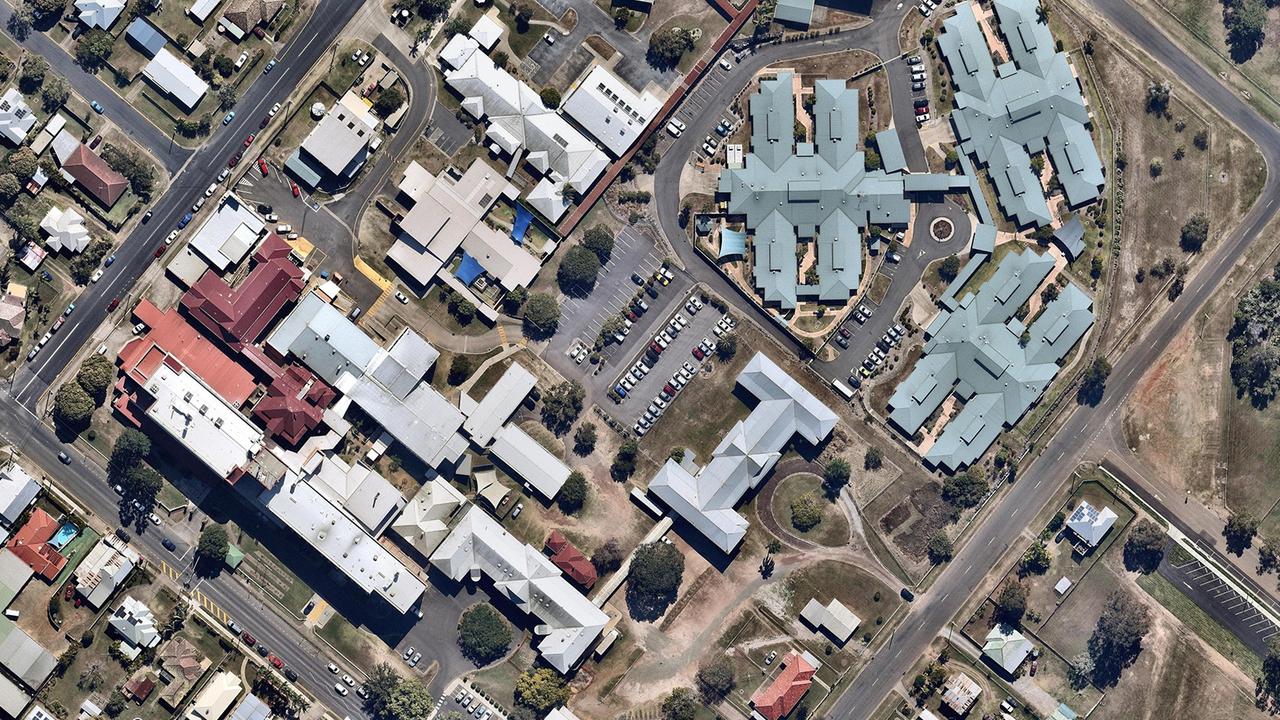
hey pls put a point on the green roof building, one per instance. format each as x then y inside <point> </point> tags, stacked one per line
<point>794,12</point>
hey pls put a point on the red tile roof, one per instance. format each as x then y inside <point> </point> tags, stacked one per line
<point>570,560</point>
<point>95,175</point>
<point>294,404</point>
<point>31,545</point>
<point>781,696</point>
<point>140,688</point>
<point>239,315</point>
<point>171,339</point>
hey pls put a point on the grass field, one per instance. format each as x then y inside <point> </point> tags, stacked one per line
<point>858,590</point>
<point>348,640</point>
<point>831,531</point>
<point>689,421</point>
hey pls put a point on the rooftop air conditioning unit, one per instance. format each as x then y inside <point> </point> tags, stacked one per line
<point>204,409</point>
<point>186,397</point>
<point>217,422</point>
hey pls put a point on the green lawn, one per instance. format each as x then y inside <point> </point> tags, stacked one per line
<point>342,69</point>
<point>348,640</point>
<point>499,682</point>
<point>75,552</point>
<point>832,531</point>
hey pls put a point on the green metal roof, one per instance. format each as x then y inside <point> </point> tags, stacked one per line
<point>795,12</point>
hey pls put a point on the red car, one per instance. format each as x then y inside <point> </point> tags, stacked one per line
<point>262,165</point>
<point>235,160</point>
<point>160,251</point>
<point>294,187</point>
<point>656,348</point>
<point>275,661</point>
<point>115,303</point>
<point>248,140</point>
<point>697,352</point>
<point>70,591</point>
<point>248,639</point>
<point>922,110</point>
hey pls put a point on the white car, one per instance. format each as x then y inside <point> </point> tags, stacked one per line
<point>641,369</point>
<point>172,236</point>
<point>922,119</point>
<point>226,173</point>
<point>672,130</point>
<point>271,217</point>
<point>724,63</point>
<point>274,109</point>
<point>519,508</point>
<point>284,229</point>
<point>97,275</point>
<point>209,191</point>
<point>640,430</point>
<point>662,342</point>
<point>627,383</point>
<point>404,299</point>
<point>681,321</point>
<point>679,124</point>
<point>340,689</point>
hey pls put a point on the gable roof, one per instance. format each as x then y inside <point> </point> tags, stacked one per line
<point>781,696</point>
<point>570,560</point>
<point>1006,647</point>
<point>31,545</point>
<point>239,315</point>
<point>95,175</point>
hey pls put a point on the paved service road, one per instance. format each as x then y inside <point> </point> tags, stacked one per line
<point>134,255</point>
<point>1041,480</point>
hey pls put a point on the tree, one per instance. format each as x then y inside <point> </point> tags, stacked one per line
<point>679,705</point>
<point>873,459</point>
<point>9,188</point>
<point>624,461</point>
<point>19,24</point>
<point>22,163</point>
<point>141,485</point>
<point>550,97</point>
<point>667,47</point>
<point>381,685</point>
<point>93,49</point>
<point>577,272</point>
<point>54,93</point>
<point>621,17</point>
<point>1050,293</point>
<point>460,369</point>
<point>223,65</point>
<point>213,545</point>
<point>127,453</point>
<point>806,511</point>
<point>131,164</point>
<point>1266,690</point>
<point>1201,140</point>
<point>541,689</point>
<point>584,440</point>
<point>949,268</point>
<point>1011,602</point>
<point>541,316</point>
<point>607,558</point>
<point>72,406</point>
<point>34,68</point>
<point>964,490</point>
<point>1246,28</point>
<point>46,7</point>
<point>1117,638</point>
<point>573,494</point>
<point>483,635</point>
<point>562,405</point>
<point>728,346</point>
<point>1268,559</point>
<point>388,102</point>
<point>410,701</point>
<point>871,160</point>
<point>599,240</point>
<point>523,13</point>
<point>95,376</point>
<point>715,680</point>
<point>457,25</point>
<point>1156,168</point>
<point>1144,547</point>
<point>835,476</point>
<point>1036,560</point>
<point>226,96</point>
<point>1158,97</point>
<point>1094,383</point>
<point>115,704</point>
<point>656,571</point>
<point>1239,532</point>
<point>1194,233</point>
<point>1079,670</point>
<point>939,548</point>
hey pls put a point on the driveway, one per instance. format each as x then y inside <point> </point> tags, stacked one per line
<point>632,66</point>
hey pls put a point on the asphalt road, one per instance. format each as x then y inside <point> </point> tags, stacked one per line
<point>1042,479</point>
<point>118,110</point>
<point>134,255</point>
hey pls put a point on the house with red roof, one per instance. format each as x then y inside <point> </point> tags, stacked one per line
<point>93,174</point>
<point>31,545</point>
<point>780,697</point>
<point>238,315</point>
<point>294,404</point>
<point>570,560</point>
<point>171,340</point>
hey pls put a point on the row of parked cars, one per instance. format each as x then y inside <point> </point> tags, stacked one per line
<point>660,342</point>
<point>665,397</point>
<point>880,352</point>
<point>472,705</point>
<point>918,78</point>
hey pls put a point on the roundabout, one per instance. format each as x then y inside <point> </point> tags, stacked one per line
<point>942,229</point>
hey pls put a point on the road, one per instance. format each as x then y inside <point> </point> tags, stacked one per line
<point>134,255</point>
<point>1042,479</point>
<point>118,110</point>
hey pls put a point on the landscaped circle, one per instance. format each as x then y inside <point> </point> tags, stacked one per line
<point>942,229</point>
<point>832,530</point>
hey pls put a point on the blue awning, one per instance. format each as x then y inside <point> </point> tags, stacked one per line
<point>468,270</point>
<point>732,242</point>
<point>523,218</point>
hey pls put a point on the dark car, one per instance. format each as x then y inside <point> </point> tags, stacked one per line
<point>264,122</point>
<point>262,650</point>
<point>671,390</point>
<point>635,278</point>
<point>854,382</point>
<point>922,102</point>
<point>907,594</point>
<point>115,303</point>
<point>842,341</point>
<point>146,217</point>
<point>47,277</point>
<point>183,222</point>
<point>655,347</point>
<point>290,675</point>
<point>265,209</point>
<point>122,534</point>
<point>169,545</point>
<point>159,251</point>
<point>64,458</point>
<point>845,331</point>
<point>249,639</point>
<point>235,160</point>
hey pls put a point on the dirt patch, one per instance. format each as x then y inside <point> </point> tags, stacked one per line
<point>601,47</point>
<point>893,519</point>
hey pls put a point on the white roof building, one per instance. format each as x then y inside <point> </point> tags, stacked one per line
<point>833,617</point>
<point>213,431</point>
<point>425,520</point>
<point>568,623</point>
<point>216,697</point>
<point>520,125</point>
<point>343,543</point>
<point>609,109</point>
<point>99,13</point>
<point>487,416</point>
<point>529,461</point>
<point>136,625</point>
<point>176,79</point>
<point>103,570</point>
<point>745,455</point>
<point>367,497</point>
<point>202,9</point>
<point>16,118</point>
<point>561,713</point>
<point>65,229</point>
<point>1006,647</point>
<point>340,142</point>
<point>21,655</point>
<point>228,235</point>
<point>17,491</point>
<point>1090,523</point>
<point>486,32</point>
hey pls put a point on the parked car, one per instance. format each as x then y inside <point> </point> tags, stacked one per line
<point>917,86</point>
<point>248,639</point>
<point>226,119</point>
<point>338,688</point>
<point>275,661</point>
<point>248,140</point>
<point>183,222</point>
<point>262,166</point>
<point>270,66</point>
<point>921,102</point>
<point>115,303</point>
<point>234,160</point>
<point>97,107</point>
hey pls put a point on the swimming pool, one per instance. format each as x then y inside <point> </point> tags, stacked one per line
<point>64,535</point>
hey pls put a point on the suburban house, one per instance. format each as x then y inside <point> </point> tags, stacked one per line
<point>960,692</point>
<point>103,570</point>
<point>834,618</point>
<point>777,699</point>
<point>566,556</point>
<point>16,118</point>
<point>31,545</point>
<point>17,491</point>
<point>92,173</point>
<point>1006,648</point>
<point>181,665</point>
<point>135,625</point>
<point>65,230</point>
<point>216,698</point>
<point>100,14</point>
<point>173,77</point>
<point>242,16</point>
<point>1091,524</point>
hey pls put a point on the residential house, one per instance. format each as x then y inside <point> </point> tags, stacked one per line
<point>1091,524</point>
<point>837,620</point>
<point>173,77</point>
<point>65,230</point>
<point>777,699</point>
<point>16,118</point>
<point>31,545</point>
<point>1006,648</point>
<point>242,16</point>
<point>216,698</point>
<point>135,625</point>
<point>100,14</point>
<point>93,174</point>
<point>960,692</point>
<point>17,491</point>
<point>181,665</point>
<point>103,570</point>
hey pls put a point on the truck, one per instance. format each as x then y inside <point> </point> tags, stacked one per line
<point>842,389</point>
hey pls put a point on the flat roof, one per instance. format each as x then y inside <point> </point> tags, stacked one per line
<point>201,420</point>
<point>227,236</point>
<point>610,109</point>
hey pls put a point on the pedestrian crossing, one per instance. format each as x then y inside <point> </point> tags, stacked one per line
<point>210,606</point>
<point>169,571</point>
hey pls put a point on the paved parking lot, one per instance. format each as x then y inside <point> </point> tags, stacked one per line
<point>1221,602</point>
<point>680,350</point>
<point>446,131</point>
<point>707,92</point>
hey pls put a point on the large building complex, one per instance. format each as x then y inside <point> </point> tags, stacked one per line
<point>610,110</point>
<point>706,500</point>
<point>1030,104</point>
<point>793,192</point>
<point>981,357</point>
<point>339,145</point>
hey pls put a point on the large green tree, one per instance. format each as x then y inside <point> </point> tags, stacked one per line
<point>1194,233</point>
<point>213,545</point>
<point>1246,22</point>
<point>95,376</point>
<point>1144,548</point>
<point>483,635</point>
<point>94,49</point>
<point>964,490</point>
<point>667,47</point>
<point>127,453</point>
<point>573,494</point>
<point>541,316</point>
<point>541,689</point>
<point>679,705</point>
<point>578,270</point>
<point>388,102</point>
<point>1094,383</point>
<point>562,405</point>
<point>599,240</point>
<point>1117,638</point>
<point>715,680</point>
<point>656,571</point>
<point>72,406</point>
<point>1011,602</point>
